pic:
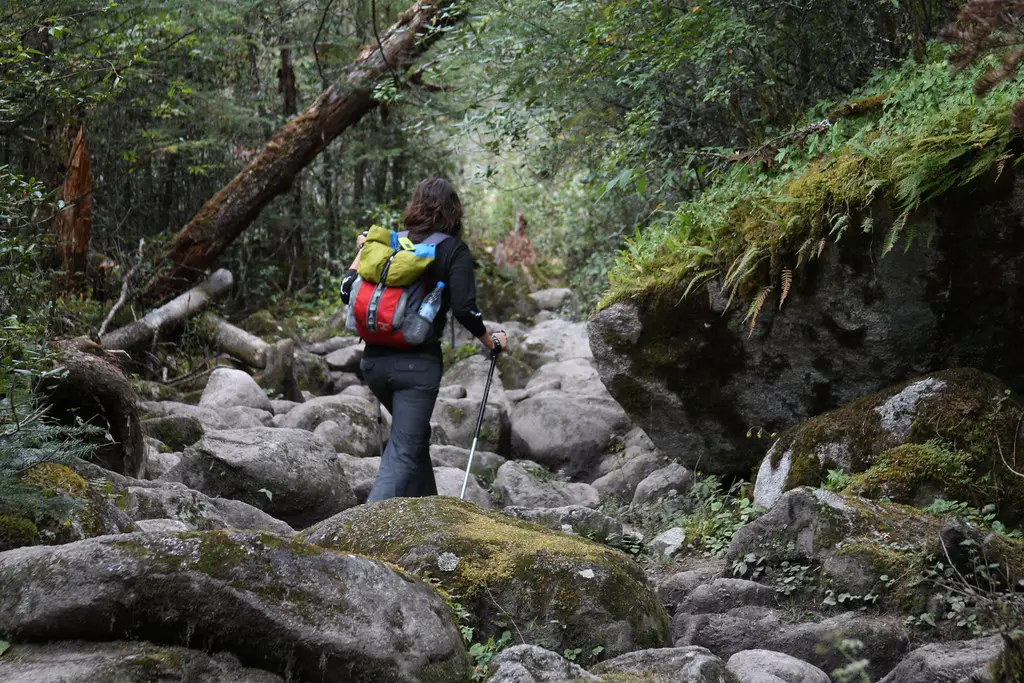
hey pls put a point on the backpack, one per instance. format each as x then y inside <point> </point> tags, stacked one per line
<point>391,285</point>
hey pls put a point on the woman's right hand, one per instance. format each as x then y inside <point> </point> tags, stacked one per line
<point>501,338</point>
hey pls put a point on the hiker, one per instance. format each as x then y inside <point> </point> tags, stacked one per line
<point>406,376</point>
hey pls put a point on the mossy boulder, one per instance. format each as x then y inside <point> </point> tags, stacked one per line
<point>124,662</point>
<point>943,435</point>
<point>274,602</point>
<point>70,509</point>
<point>176,431</point>
<point>558,590</point>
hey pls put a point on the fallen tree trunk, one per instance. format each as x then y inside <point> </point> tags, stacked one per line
<point>233,208</point>
<point>173,313</point>
<point>276,360</point>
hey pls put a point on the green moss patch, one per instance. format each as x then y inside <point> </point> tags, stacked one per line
<point>16,532</point>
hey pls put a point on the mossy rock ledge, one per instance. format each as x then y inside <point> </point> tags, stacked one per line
<point>558,590</point>
<point>943,435</point>
<point>274,602</point>
<point>688,370</point>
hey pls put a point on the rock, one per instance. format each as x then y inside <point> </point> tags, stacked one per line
<point>311,372</point>
<point>570,519</point>
<point>621,471</point>
<point>551,299</point>
<point>689,371</point>
<point>83,662</point>
<point>345,359</point>
<point>262,417</point>
<point>599,596</point>
<point>765,666</point>
<point>456,418</point>
<point>288,473</point>
<point>163,525</point>
<point>668,665</point>
<point>272,601</point>
<point>159,464</point>
<point>354,437</point>
<point>673,589</point>
<point>208,417</point>
<point>667,544</point>
<point>333,344</point>
<point>452,391</point>
<point>359,391</point>
<point>485,464</point>
<point>343,380</point>
<point>532,664</point>
<point>573,375</point>
<point>514,373</point>
<point>177,431</point>
<point>515,485</point>
<point>564,431</point>
<point>945,662</point>
<point>471,374</point>
<point>355,419</point>
<point>282,406</point>
<point>661,483</point>
<point>555,340</point>
<point>814,642</point>
<point>228,388</point>
<point>937,436</point>
<point>449,483</point>
<point>192,508</point>
<point>724,594</point>
<point>360,473</point>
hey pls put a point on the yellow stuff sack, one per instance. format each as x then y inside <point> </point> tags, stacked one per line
<point>392,256</point>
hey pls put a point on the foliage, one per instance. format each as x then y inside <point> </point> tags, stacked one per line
<point>836,480</point>
<point>923,134</point>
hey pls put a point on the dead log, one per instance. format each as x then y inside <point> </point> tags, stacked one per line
<point>276,360</point>
<point>169,315</point>
<point>95,390</point>
<point>73,222</point>
<point>224,216</point>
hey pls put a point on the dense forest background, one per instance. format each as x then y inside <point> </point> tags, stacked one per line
<point>604,123</point>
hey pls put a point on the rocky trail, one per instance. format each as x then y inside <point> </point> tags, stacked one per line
<point>582,551</point>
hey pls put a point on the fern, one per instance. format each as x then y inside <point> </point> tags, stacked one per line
<point>787,282</point>
<point>755,309</point>
<point>894,233</point>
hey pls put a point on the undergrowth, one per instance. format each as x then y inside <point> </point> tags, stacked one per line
<point>908,137</point>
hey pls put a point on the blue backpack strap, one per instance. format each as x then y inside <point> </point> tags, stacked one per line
<point>427,247</point>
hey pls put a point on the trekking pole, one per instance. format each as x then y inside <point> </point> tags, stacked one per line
<point>380,429</point>
<point>479,422</point>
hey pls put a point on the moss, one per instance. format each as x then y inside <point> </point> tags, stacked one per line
<point>16,532</point>
<point>912,472</point>
<point>56,480</point>
<point>1009,665</point>
<point>456,414</point>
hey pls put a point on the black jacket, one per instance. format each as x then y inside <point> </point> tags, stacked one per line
<point>452,265</point>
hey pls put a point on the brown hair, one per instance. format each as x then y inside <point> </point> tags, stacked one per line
<point>434,207</point>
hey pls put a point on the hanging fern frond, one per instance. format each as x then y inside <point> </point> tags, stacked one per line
<point>821,248</point>
<point>740,267</point>
<point>787,283</point>
<point>894,232</point>
<point>755,309</point>
<point>697,280</point>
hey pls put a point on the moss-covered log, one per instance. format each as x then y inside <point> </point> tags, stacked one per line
<point>233,208</point>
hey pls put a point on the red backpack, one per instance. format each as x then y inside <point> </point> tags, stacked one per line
<point>381,311</point>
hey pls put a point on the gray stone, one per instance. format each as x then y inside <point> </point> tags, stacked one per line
<point>947,662</point>
<point>452,391</point>
<point>361,473</point>
<point>533,664</point>
<point>449,483</point>
<point>83,662</point>
<point>756,666</point>
<point>163,525</point>
<point>177,431</point>
<point>311,372</point>
<point>675,588</point>
<point>456,418</point>
<point>159,464</point>
<point>271,600</point>
<point>228,388</point>
<point>288,473</point>
<point>345,359</point>
<point>343,380</point>
<point>333,344</point>
<point>724,594</point>
<point>663,482</point>
<point>573,375</point>
<point>575,519</point>
<point>359,391</point>
<point>358,414</point>
<point>516,485</point>
<point>282,406</point>
<point>551,299</point>
<point>667,544</point>
<point>555,340</point>
<point>354,436</point>
<point>196,510</point>
<point>485,463</point>
<point>565,432</point>
<point>668,665</point>
<point>471,375</point>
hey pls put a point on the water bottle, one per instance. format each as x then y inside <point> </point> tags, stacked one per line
<point>417,327</point>
<point>432,304</point>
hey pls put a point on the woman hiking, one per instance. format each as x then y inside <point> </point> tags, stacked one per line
<point>406,380</point>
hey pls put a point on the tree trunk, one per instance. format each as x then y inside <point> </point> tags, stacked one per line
<point>286,84</point>
<point>233,208</point>
<point>73,222</point>
<point>236,341</point>
<point>173,313</point>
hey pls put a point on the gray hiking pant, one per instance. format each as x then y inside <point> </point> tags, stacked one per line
<point>407,386</point>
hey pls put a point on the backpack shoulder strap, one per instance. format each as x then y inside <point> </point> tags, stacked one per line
<point>433,238</point>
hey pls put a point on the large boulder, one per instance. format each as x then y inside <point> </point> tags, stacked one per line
<point>228,388</point>
<point>287,473</point>
<point>690,372</point>
<point>176,431</point>
<point>360,473</point>
<point>531,486</point>
<point>570,519</point>
<point>449,483</point>
<point>668,665</point>
<point>485,464</point>
<point>938,436</point>
<point>454,420</point>
<point>194,509</point>
<point>237,417</point>
<point>356,415</point>
<point>532,664</point>
<point>765,666</point>
<point>554,340</point>
<point>83,662</point>
<point>311,372</point>
<point>949,661</point>
<point>551,299</point>
<point>274,602</point>
<point>575,592</point>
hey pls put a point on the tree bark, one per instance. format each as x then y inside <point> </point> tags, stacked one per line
<point>73,223</point>
<point>232,209</point>
<point>286,84</point>
<point>173,313</point>
<point>236,341</point>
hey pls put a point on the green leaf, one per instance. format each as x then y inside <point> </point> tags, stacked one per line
<point>4,647</point>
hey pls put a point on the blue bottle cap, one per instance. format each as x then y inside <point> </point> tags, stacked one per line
<point>440,285</point>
